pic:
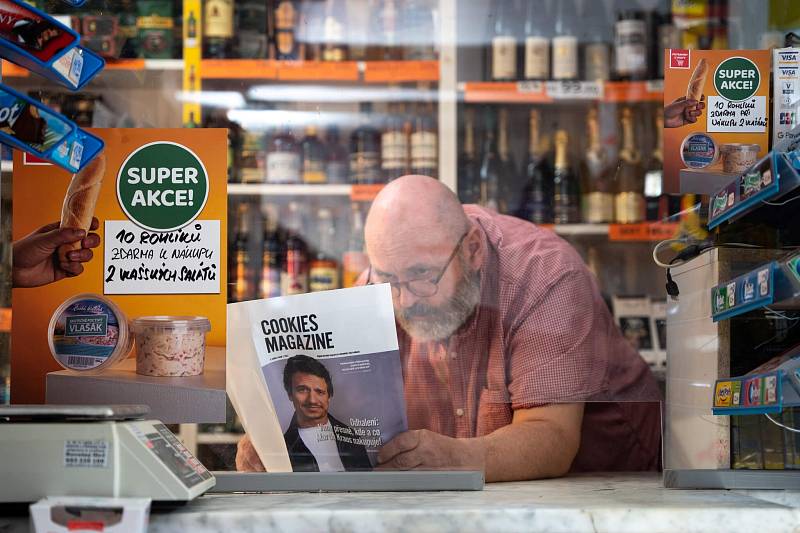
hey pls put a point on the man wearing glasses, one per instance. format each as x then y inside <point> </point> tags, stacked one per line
<point>511,361</point>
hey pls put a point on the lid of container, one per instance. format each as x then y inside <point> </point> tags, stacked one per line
<point>88,332</point>
<point>730,147</point>
<point>171,322</point>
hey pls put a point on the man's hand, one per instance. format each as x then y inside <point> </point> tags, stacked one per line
<point>247,458</point>
<point>682,112</point>
<point>425,449</point>
<point>35,257</point>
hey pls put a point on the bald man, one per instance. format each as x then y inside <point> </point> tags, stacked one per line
<point>511,361</point>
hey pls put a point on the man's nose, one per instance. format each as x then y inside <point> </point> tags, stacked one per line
<point>407,298</point>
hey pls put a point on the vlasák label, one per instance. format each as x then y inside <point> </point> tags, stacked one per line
<point>737,108</point>
<point>162,186</point>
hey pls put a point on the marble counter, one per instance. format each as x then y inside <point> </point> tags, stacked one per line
<point>596,503</point>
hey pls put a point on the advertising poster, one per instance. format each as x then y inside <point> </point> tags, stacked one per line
<point>716,111</point>
<point>161,203</point>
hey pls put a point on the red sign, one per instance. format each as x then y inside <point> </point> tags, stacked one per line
<point>679,59</point>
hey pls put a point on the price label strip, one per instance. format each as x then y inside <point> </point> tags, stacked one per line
<point>26,124</point>
<point>574,90</point>
<point>745,293</point>
<point>757,394</point>
<point>36,41</point>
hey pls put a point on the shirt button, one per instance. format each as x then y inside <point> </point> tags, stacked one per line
<point>459,412</point>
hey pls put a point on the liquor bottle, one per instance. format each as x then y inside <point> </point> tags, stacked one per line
<point>323,271</point>
<point>656,202</point>
<point>598,193</point>
<point>504,43</point>
<point>313,157</point>
<point>294,273</point>
<point>596,53</point>
<point>283,158</point>
<point>252,157</point>
<point>270,255</point>
<point>309,29</point>
<point>418,27</point>
<point>337,160</point>
<point>565,42</point>
<point>491,171</point>
<point>334,48</point>
<point>218,28</point>
<point>386,21</point>
<point>566,203</point>
<point>394,146</point>
<point>537,41</point>
<point>425,143</point>
<point>509,174</point>
<point>630,46</point>
<point>156,28</point>
<point>355,260</point>
<point>538,193</point>
<point>219,119</point>
<point>668,37</point>
<point>252,29</point>
<point>243,280</point>
<point>191,26</point>
<point>286,16</point>
<point>365,151</point>
<point>468,167</point>
<point>629,202</point>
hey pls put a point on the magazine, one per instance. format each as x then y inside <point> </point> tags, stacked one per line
<point>316,378</point>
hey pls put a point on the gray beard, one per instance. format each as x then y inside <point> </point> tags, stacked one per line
<point>439,323</point>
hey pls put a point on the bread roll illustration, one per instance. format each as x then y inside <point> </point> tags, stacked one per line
<point>80,201</point>
<point>698,80</point>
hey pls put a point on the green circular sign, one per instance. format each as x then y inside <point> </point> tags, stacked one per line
<point>737,79</point>
<point>162,186</point>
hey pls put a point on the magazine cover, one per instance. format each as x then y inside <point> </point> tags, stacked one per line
<point>316,378</point>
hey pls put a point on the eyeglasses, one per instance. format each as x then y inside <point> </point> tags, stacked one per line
<point>422,287</point>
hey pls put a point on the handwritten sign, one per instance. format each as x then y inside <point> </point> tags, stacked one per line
<point>185,261</point>
<point>749,116</point>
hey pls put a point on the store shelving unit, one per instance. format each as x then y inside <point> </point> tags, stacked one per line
<point>535,92</point>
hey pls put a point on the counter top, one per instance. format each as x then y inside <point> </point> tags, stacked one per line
<point>592,503</point>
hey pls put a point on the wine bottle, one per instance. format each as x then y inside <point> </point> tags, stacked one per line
<point>243,279</point>
<point>252,29</point>
<point>313,157</point>
<point>468,168</point>
<point>491,171</point>
<point>566,203</point>
<point>656,202</point>
<point>218,28</point>
<point>337,159</point>
<point>323,269</point>
<point>598,194</point>
<point>537,41</point>
<point>286,44</point>
<point>538,193</point>
<point>294,273</point>
<point>394,145</point>
<point>504,43</point>
<point>283,158</point>
<point>596,53</point>
<point>629,202</point>
<point>630,46</point>
<point>270,255</point>
<point>365,151</point>
<point>418,27</point>
<point>509,176</point>
<point>334,48</point>
<point>565,42</point>
<point>387,23</point>
<point>425,142</point>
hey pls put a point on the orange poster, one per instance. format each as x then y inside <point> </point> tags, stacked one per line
<point>162,210</point>
<point>716,112</point>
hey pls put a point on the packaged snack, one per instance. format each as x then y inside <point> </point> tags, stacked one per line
<point>738,157</point>
<point>170,345</point>
<point>699,150</point>
<point>89,332</point>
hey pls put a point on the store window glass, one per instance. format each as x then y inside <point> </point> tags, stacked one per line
<point>519,252</point>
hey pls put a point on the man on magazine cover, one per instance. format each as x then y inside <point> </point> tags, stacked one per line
<point>316,441</point>
<point>512,362</point>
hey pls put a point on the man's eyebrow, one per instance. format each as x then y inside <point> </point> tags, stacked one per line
<point>417,266</point>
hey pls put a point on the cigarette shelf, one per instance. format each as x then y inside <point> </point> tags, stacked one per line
<point>173,400</point>
<point>551,92</point>
<point>320,71</point>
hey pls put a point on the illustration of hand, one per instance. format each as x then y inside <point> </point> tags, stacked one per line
<point>683,111</point>
<point>35,259</point>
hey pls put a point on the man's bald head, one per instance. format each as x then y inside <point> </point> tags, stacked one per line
<point>415,209</point>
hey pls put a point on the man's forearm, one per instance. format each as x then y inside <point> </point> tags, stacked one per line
<point>529,449</point>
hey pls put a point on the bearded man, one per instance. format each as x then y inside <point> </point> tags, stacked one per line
<point>512,363</point>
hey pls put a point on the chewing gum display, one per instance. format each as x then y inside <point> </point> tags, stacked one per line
<point>30,126</point>
<point>38,42</point>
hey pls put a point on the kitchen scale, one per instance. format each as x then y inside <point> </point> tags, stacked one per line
<point>77,450</point>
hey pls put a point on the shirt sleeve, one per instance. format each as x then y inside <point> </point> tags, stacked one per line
<point>555,352</point>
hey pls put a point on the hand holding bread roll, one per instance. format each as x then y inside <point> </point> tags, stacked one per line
<point>80,201</point>
<point>698,81</point>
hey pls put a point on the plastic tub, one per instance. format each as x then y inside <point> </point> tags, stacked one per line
<point>738,157</point>
<point>699,150</point>
<point>89,333</point>
<point>170,345</point>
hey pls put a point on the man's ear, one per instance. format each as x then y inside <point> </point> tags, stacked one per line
<point>474,245</point>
